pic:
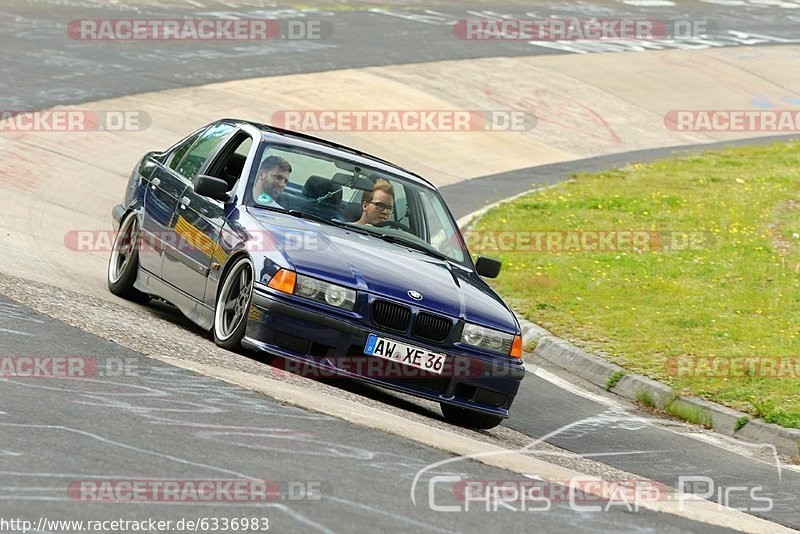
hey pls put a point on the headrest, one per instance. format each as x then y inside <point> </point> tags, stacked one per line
<point>233,169</point>
<point>317,186</point>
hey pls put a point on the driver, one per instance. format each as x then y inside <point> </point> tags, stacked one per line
<point>273,175</point>
<point>378,204</point>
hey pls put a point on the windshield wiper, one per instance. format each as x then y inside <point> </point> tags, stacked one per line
<point>410,243</point>
<point>269,208</point>
<point>316,218</point>
<point>310,216</point>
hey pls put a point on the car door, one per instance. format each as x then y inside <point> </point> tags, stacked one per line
<point>164,188</point>
<point>199,220</point>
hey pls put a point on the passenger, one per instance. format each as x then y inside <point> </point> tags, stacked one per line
<point>273,175</point>
<point>378,204</point>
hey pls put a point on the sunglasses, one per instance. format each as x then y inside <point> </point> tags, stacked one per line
<point>383,207</point>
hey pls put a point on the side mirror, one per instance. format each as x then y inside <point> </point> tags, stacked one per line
<point>211,187</point>
<point>488,267</point>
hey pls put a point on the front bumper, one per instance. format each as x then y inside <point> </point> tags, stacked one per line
<point>333,346</point>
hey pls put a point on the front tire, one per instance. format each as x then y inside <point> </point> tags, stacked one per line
<point>233,305</point>
<point>469,418</point>
<point>124,261</point>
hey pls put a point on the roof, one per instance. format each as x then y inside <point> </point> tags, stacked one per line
<point>333,148</point>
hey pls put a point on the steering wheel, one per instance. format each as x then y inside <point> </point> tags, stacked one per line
<point>394,224</point>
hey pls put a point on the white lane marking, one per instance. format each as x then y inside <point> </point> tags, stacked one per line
<point>131,447</point>
<point>86,475</point>
<point>12,311</point>
<point>649,3</point>
<point>731,38</point>
<point>30,488</point>
<point>227,504</point>
<point>148,392</point>
<point>572,388</point>
<point>732,444</point>
<point>15,332</point>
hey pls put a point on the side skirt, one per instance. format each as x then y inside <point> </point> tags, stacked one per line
<point>193,309</point>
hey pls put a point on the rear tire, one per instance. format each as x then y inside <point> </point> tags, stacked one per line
<point>124,261</point>
<point>469,418</point>
<point>233,305</point>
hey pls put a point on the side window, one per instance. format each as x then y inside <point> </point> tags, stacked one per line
<point>244,148</point>
<point>177,154</point>
<point>206,146</point>
<point>400,203</point>
<point>234,167</point>
<point>231,160</point>
<point>442,234</point>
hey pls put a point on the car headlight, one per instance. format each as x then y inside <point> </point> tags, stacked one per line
<point>330,294</point>
<point>486,338</point>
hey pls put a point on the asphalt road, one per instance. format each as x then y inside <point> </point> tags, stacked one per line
<point>43,66</point>
<point>69,445</point>
<point>624,439</point>
<point>173,424</point>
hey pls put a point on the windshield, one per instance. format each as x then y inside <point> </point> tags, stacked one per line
<point>341,192</point>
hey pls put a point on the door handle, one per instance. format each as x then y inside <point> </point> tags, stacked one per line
<point>155,183</point>
<point>185,201</point>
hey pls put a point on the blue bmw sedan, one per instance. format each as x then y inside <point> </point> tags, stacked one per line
<point>336,261</point>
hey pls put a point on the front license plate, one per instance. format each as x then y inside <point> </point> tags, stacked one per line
<point>390,349</point>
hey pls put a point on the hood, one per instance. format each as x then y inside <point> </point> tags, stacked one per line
<point>370,264</point>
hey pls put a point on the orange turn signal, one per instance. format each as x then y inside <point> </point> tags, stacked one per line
<point>283,281</point>
<point>516,347</point>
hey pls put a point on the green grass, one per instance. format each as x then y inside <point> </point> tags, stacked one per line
<point>790,420</point>
<point>733,292</point>
<point>646,398</point>
<point>614,379</point>
<point>739,424</point>
<point>690,413</point>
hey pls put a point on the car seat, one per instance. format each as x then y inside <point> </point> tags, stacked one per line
<point>233,169</point>
<point>317,187</point>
